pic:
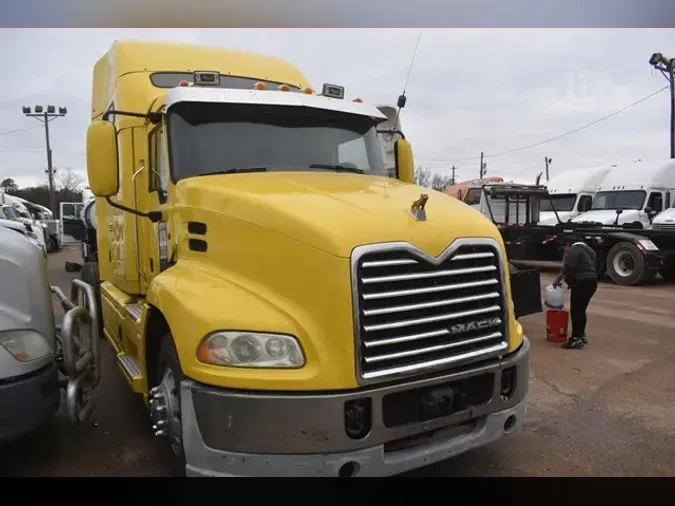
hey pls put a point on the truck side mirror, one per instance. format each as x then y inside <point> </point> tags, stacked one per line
<point>649,211</point>
<point>405,168</point>
<point>460,195</point>
<point>102,162</point>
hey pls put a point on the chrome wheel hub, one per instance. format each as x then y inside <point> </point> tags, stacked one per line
<point>165,411</point>
<point>624,264</point>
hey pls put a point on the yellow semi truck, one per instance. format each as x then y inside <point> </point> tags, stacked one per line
<point>284,307</point>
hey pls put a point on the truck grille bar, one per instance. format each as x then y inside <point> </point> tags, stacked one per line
<point>414,314</point>
<point>664,226</point>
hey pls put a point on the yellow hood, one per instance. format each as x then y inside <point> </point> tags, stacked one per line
<point>335,212</point>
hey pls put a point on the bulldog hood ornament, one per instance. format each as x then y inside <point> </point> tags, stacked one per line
<point>417,208</point>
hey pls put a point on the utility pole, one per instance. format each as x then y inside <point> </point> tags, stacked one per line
<point>667,67</point>
<point>45,116</point>
<point>482,171</point>
<point>547,162</point>
<point>453,174</point>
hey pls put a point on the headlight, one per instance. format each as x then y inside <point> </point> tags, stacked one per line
<point>25,345</point>
<point>251,349</point>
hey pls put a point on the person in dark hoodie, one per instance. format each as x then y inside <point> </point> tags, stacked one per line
<point>580,275</point>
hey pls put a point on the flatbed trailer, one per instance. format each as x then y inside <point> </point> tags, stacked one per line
<point>628,255</point>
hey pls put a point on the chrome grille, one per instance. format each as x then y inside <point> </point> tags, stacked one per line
<point>415,315</point>
<point>664,226</point>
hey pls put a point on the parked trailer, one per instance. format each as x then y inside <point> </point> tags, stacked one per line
<point>629,256</point>
<point>515,210</point>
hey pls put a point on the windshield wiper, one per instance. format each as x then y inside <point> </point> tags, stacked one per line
<point>234,171</point>
<point>338,168</point>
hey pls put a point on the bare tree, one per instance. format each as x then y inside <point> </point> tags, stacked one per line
<point>70,181</point>
<point>428,179</point>
<point>9,185</point>
<point>423,177</point>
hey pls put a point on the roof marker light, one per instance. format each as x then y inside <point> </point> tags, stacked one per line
<point>259,86</point>
<point>307,91</point>
<point>184,83</point>
<point>358,100</point>
<point>283,87</point>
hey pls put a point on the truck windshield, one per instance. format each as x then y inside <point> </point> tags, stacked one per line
<point>212,138</point>
<point>624,199</point>
<point>562,202</point>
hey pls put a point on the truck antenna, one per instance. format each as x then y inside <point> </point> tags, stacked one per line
<point>402,98</point>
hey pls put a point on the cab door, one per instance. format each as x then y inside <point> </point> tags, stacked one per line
<point>160,252</point>
<point>654,206</point>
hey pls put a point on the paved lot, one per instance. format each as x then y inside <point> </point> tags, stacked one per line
<point>608,410</point>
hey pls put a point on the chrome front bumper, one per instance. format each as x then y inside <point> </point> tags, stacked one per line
<point>235,433</point>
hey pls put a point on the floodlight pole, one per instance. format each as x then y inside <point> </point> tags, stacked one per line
<point>672,107</point>
<point>45,117</point>
<point>667,67</point>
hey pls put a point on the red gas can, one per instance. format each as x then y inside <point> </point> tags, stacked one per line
<point>557,322</point>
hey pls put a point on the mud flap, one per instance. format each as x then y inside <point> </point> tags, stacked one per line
<point>526,292</point>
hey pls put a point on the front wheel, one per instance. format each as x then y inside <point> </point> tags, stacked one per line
<point>52,244</point>
<point>626,265</point>
<point>165,398</point>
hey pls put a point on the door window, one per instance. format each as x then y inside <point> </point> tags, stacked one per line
<point>472,197</point>
<point>655,202</point>
<point>585,203</point>
<point>159,168</point>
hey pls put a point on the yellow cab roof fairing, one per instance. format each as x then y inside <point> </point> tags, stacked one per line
<point>128,57</point>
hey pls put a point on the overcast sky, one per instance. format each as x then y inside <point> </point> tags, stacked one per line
<point>470,90</point>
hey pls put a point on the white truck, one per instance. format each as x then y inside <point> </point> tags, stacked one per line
<point>632,195</point>
<point>571,193</point>
<point>23,214</point>
<point>665,220</point>
<point>45,218</point>
<point>10,220</point>
<point>38,358</point>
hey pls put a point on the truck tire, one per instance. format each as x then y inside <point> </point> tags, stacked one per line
<point>90,275</point>
<point>169,377</point>
<point>52,244</point>
<point>626,265</point>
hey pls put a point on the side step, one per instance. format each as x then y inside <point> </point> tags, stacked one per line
<point>132,371</point>
<point>134,311</point>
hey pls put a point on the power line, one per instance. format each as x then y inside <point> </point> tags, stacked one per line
<point>570,132</point>
<point>20,130</point>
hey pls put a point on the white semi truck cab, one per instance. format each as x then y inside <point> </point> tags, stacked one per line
<point>632,194</point>
<point>571,193</point>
